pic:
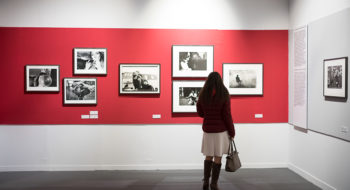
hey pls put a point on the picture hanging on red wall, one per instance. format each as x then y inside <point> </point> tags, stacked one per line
<point>80,91</point>
<point>139,78</point>
<point>243,78</point>
<point>185,96</point>
<point>192,60</point>
<point>90,61</point>
<point>43,78</point>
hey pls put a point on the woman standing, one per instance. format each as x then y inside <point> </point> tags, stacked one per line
<point>215,107</point>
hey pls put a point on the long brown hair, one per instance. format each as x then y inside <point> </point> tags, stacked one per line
<point>214,90</point>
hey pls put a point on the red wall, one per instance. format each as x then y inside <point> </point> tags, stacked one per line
<point>23,46</point>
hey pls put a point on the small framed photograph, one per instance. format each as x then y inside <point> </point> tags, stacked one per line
<point>80,91</point>
<point>43,78</point>
<point>185,96</point>
<point>243,78</point>
<point>90,61</point>
<point>192,60</point>
<point>335,77</point>
<point>139,78</point>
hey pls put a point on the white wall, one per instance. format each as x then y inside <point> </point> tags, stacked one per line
<point>178,14</point>
<point>96,147</point>
<point>322,159</point>
<point>302,12</point>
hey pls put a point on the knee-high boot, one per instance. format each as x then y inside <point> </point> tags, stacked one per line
<point>207,170</point>
<point>215,176</point>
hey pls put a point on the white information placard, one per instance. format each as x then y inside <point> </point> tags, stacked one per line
<point>299,75</point>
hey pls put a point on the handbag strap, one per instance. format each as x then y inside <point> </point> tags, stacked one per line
<point>234,145</point>
<point>230,148</point>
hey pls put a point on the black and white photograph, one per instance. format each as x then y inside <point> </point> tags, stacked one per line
<point>43,78</point>
<point>188,95</point>
<point>90,61</point>
<point>335,77</point>
<point>139,78</point>
<point>185,96</point>
<point>192,61</point>
<point>243,79</point>
<point>80,91</point>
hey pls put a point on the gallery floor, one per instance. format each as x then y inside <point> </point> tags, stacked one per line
<point>244,179</point>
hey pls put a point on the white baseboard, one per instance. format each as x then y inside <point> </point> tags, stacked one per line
<point>20,168</point>
<point>127,167</point>
<point>100,167</point>
<point>321,184</point>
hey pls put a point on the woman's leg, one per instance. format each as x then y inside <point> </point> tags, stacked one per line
<point>217,160</point>
<point>215,173</point>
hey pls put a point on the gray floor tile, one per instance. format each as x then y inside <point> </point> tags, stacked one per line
<point>244,179</point>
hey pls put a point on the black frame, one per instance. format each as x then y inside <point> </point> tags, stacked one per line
<point>346,77</point>
<point>172,94</point>
<point>139,64</point>
<point>82,48</point>
<point>77,78</point>
<point>27,77</point>
<point>189,76</point>
<point>262,80</point>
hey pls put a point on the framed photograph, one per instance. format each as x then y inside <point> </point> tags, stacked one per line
<point>80,91</point>
<point>43,78</point>
<point>139,78</point>
<point>335,77</point>
<point>90,61</point>
<point>185,96</point>
<point>243,78</point>
<point>192,60</point>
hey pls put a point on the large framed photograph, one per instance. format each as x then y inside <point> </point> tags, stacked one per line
<point>139,78</point>
<point>243,78</point>
<point>185,96</point>
<point>80,91</point>
<point>335,77</point>
<point>192,60</point>
<point>90,61</point>
<point>43,78</point>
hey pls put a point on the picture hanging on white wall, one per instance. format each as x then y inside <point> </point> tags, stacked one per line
<point>90,61</point>
<point>43,78</point>
<point>139,78</point>
<point>80,91</point>
<point>192,60</point>
<point>243,78</point>
<point>335,77</point>
<point>185,96</point>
